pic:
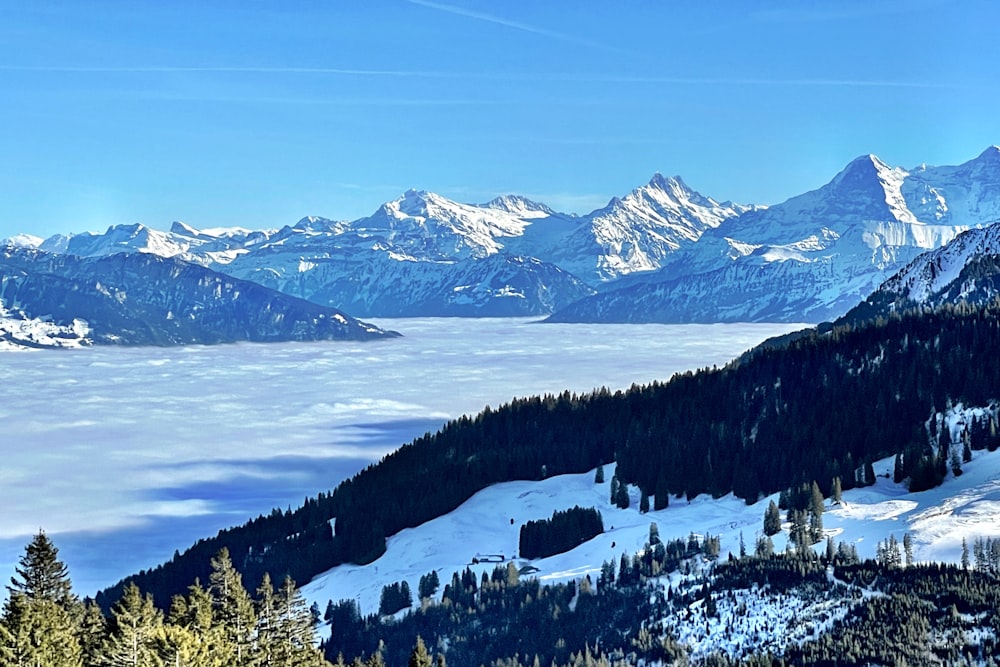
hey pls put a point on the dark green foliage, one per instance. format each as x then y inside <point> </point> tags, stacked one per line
<point>772,519</point>
<point>821,406</point>
<point>599,475</point>
<point>40,575</point>
<point>428,585</point>
<point>394,597</point>
<point>564,531</point>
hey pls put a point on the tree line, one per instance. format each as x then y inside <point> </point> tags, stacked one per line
<point>820,407</point>
<point>44,624</point>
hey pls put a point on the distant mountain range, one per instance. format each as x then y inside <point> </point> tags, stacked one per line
<point>60,300</point>
<point>662,253</point>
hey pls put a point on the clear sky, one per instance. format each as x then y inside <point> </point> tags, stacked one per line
<point>257,113</point>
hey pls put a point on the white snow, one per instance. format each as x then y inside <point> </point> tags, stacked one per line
<point>937,521</point>
<point>201,438</point>
<point>18,332</point>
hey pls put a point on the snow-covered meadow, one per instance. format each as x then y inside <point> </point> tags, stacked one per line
<point>125,454</point>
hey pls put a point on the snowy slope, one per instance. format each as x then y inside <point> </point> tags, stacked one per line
<point>418,254</point>
<point>636,233</point>
<point>19,331</point>
<point>937,521</point>
<point>967,269</point>
<point>814,256</point>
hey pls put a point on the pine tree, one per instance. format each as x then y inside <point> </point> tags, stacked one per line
<point>623,501</point>
<point>232,608</point>
<point>815,514</point>
<point>772,520</point>
<point>41,575</point>
<point>419,657</point>
<point>93,628</point>
<point>599,475</point>
<point>908,549</point>
<point>191,635</point>
<point>965,554</point>
<point>135,628</point>
<point>837,491</point>
<point>41,617</point>
<point>295,633</point>
<point>644,502</point>
<point>267,623</point>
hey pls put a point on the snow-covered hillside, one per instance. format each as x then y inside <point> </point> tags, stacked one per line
<point>966,269</point>
<point>937,521</point>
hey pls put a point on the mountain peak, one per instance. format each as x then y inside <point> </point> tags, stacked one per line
<point>992,153</point>
<point>517,205</point>
<point>668,182</point>
<point>179,227</point>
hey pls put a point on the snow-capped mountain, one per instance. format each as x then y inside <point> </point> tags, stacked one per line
<point>814,256</point>
<point>965,270</point>
<point>143,299</point>
<point>638,232</point>
<point>662,253</point>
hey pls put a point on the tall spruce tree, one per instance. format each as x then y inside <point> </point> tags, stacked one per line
<point>41,618</point>
<point>232,608</point>
<point>134,632</point>
<point>772,519</point>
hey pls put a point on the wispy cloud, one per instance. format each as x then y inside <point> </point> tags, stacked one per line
<point>516,25</point>
<point>843,11</point>
<point>487,76</point>
<point>210,69</point>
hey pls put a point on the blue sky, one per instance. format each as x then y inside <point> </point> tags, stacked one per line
<point>258,113</point>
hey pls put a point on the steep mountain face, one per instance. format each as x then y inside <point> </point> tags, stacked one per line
<point>144,299</point>
<point>637,233</point>
<point>374,283</point>
<point>812,257</point>
<point>965,270</point>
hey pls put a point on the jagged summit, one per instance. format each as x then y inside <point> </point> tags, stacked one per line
<point>519,206</point>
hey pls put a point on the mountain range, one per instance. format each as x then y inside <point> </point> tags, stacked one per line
<point>662,253</point>
<point>62,300</point>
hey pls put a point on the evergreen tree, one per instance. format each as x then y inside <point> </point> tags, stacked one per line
<point>41,617</point>
<point>295,644</point>
<point>772,520</point>
<point>622,501</point>
<point>41,575</point>
<point>599,475</point>
<point>908,549</point>
<point>419,657</point>
<point>191,635</point>
<point>815,514</point>
<point>644,502</point>
<point>267,623</point>
<point>93,628</point>
<point>965,554</point>
<point>133,633</point>
<point>232,608</point>
<point>837,491</point>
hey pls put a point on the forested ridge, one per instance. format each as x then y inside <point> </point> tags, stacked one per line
<point>817,408</point>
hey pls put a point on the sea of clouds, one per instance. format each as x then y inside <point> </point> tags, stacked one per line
<point>123,455</point>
